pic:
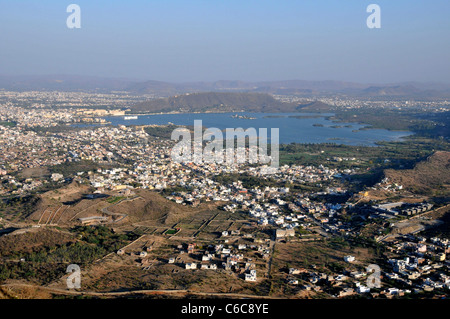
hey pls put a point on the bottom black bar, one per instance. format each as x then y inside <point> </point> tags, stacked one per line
<point>221,308</point>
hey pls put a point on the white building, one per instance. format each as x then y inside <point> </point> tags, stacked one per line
<point>349,258</point>
<point>363,289</point>
<point>191,266</point>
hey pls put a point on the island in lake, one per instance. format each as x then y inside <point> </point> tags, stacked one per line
<point>245,117</point>
<point>300,117</point>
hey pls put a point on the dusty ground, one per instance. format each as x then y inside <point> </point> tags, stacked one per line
<point>430,177</point>
<point>318,256</point>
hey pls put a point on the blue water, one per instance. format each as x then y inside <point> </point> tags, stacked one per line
<point>291,130</point>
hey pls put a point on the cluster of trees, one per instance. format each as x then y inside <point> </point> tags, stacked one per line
<point>422,123</point>
<point>18,206</point>
<point>249,181</point>
<point>40,273</point>
<point>104,237</point>
<point>47,263</point>
<point>164,132</point>
<point>7,123</point>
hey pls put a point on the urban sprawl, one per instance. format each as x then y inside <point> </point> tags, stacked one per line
<point>134,160</point>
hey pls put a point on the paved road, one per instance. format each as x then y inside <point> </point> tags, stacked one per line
<point>272,251</point>
<point>133,292</point>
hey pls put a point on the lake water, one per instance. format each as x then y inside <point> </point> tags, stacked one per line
<point>308,128</point>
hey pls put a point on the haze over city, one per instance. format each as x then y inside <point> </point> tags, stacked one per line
<point>180,41</point>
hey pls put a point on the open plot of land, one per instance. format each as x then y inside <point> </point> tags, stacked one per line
<point>153,272</point>
<point>143,264</point>
<point>319,256</point>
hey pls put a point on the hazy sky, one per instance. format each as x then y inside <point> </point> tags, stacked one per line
<point>193,40</point>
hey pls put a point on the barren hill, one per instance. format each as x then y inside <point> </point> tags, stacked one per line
<point>68,204</point>
<point>227,102</point>
<point>215,102</point>
<point>430,177</point>
<point>151,206</point>
<point>49,202</point>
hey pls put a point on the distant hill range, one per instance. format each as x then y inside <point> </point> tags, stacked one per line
<point>63,83</point>
<point>297,87</point>
<point>403,90</point>
<point>166,89</point>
